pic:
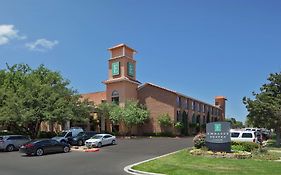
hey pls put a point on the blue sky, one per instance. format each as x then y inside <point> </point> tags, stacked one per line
<point>199,48</point>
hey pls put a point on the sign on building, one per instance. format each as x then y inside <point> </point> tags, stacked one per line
<point>218,136</point>
<point>115,68</point>
<point>131,69</point>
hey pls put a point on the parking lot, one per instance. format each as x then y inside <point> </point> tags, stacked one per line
<point>109,160</point>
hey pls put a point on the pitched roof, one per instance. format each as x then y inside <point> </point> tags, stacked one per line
<point>175,92</point>
<point>95,97</point>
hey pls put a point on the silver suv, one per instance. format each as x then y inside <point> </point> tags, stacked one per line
<point>12,142</point>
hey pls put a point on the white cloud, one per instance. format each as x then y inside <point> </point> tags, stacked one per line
<point>8,33</point>
<point>41,45</point>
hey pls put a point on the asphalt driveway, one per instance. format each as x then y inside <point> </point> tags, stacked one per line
<point>110,160</point>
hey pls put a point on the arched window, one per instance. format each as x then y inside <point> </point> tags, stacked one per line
<point>115,97</point>
<point>193,118</point>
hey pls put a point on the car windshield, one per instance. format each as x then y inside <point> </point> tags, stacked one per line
<point>80,134</point>
<point>96,137</point>
<point>62,134</point>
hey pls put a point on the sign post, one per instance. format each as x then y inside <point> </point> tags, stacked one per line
<point>218,136</point>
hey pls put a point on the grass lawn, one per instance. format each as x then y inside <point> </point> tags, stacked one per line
<point>183,163</point>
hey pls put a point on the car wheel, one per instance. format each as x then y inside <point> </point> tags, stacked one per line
<point>39,152</point>
<point>10,148</point>
<point>66,149</point>
<point>99,144</point>
<point>113,142</point>
<point>80,142</point>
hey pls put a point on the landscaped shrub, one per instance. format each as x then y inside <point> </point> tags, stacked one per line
<point>236,155</point>
<point>178,125</point>
<point>199,140</point>
<point>197,152</point>
<point>245,146</point>
<point>242,155</point>
<point>237,148</point>
<point>164,120</point>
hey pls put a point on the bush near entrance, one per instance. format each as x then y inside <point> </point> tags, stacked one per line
<point>199,140</point>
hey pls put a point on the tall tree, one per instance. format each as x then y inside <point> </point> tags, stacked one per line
<point>134,114</point>
<point>265,109</point>
<point>105,112</point>
<point>131,114</point>
<point>29,97</point>
<point>234,123</point>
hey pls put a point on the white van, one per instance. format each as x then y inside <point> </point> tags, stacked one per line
<point>243,136</point>
<point>65,135</point>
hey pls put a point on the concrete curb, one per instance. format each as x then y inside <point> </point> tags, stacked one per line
<point>129,169</point>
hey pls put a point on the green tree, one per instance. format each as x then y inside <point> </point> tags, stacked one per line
<point>265,109</point>
<point>234,123</point>
<point>164,120</point>
<point>29,97</point>
<point>103,110</point>
<point>131,114</point>
<point>116,113</point>
<point>134,114</point>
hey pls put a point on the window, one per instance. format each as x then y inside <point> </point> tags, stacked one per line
<point>107,136</point>
<point>115,97</point>
<point>193,105</point>
<point>184,103</point>
<point>203,108</point>
<point>178,116</point>
<point>193,118</point>
<point>22,137</point>
<point>54,142</point>
<point>69,134</point>
<point>178,101</point>
<point>235,134</point>
<point>45,142</point>
<point>187,105</point>
<point>197,106</point>
<point>12,138</point>
<point>247,135</point>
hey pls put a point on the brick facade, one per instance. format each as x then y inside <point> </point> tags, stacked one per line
<point>193,113</point>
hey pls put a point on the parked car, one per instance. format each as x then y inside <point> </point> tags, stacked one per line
<point>243,136</point>
<point>81,138</point>
<point>100,140</point>
<point>266,134</point>
<point>253,129</point>
<point>12,142</point>
<point>65,135</point>
<point>44,146</point>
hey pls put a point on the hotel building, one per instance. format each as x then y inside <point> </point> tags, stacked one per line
<point>122,85</point>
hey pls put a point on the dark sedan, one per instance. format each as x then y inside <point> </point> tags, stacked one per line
<point>41,147</point>
<point>81,138</point>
